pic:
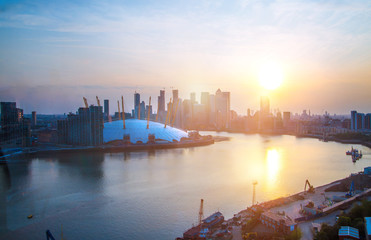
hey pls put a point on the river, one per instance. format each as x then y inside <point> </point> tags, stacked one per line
<point>156,194</point>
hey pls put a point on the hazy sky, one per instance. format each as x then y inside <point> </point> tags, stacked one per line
<point>54,52</point>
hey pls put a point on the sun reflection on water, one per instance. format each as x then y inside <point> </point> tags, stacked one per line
<point>273,165</point>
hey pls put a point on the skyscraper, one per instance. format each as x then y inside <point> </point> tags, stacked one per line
<point>161,101</point>
<point>222,108</point>
<point>353,120</point>
<point>83,128</point>
<point>106,109</point>
<point>193,98</point>
<point>34,119</point>
<point>175,95</point>
<point>161,106</point>
<point>264,106</point>
<point>136,105</point>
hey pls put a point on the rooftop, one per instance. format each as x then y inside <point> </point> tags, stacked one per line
<point>348,231</point>
<point>137,129</point>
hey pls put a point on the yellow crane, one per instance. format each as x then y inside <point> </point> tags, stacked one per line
<point>98,102</point>
<point>310,187</point>
<point>118,106</point>
<point>149,106</point>
<point>123,111</point>
<point>86,102</point>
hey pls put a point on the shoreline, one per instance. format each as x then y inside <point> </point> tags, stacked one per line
<point>110,148</point>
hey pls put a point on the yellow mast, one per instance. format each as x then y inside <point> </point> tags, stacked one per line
<point>167,114</point>
<point>86,102</point>
<point>118,106</point>
<point>123,111</point>
<point>176,110</point>
<point>98,102</point>
<point>149,106</point>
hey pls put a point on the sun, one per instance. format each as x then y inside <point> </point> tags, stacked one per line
<point>270,76</point>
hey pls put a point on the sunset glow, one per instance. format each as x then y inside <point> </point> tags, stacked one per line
<point>270,76</point>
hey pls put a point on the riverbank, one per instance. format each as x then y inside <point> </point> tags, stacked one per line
<point>32,152</point>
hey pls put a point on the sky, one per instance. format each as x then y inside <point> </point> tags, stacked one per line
<point>52,53</point>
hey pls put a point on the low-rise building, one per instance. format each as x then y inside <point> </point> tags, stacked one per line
<point>279,223</point>
<point>348,233</point>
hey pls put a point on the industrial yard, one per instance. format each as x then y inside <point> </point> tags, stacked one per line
<point>306,210</point>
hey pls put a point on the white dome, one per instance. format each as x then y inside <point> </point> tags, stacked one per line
<point>137,129</point>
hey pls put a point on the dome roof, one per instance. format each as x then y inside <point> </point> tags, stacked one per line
<point>137,129</point>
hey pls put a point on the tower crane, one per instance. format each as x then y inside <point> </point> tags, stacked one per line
<point>98,102</point>
<point>86,102</point>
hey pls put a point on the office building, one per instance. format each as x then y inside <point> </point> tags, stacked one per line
<point>264,106</point>
<point>222,109</point>
<point>83,128</point>
<point>106,109</point>
<point>34,119</point>
<point>15,129</point>
<point>136,105</point>
<point>193,98</point>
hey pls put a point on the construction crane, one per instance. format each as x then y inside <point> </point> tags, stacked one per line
<point>310,187</point>
<point>118,106</point>
<point>351,190</point>
<point>86,102</point>
<point>123,112</point>
<point>201,213</point>
<point>253,192</point>
<point>98,102</point>
<point>176,109</point>
<point>149,106</point>
<point>168,113</point>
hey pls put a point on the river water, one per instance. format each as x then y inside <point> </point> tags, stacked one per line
<point>156,194</point>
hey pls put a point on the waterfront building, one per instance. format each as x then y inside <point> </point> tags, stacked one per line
<point>83,128</point>
<point>205,100</point>
<point>353,120</point>
<point>360,121</point>
<point>106,109</point>
<point>279,223</point>
<point>368,121</point>
<point>15,129</point>
<point>34,119</point>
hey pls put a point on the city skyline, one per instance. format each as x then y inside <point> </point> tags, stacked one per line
<point>52,54</point>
